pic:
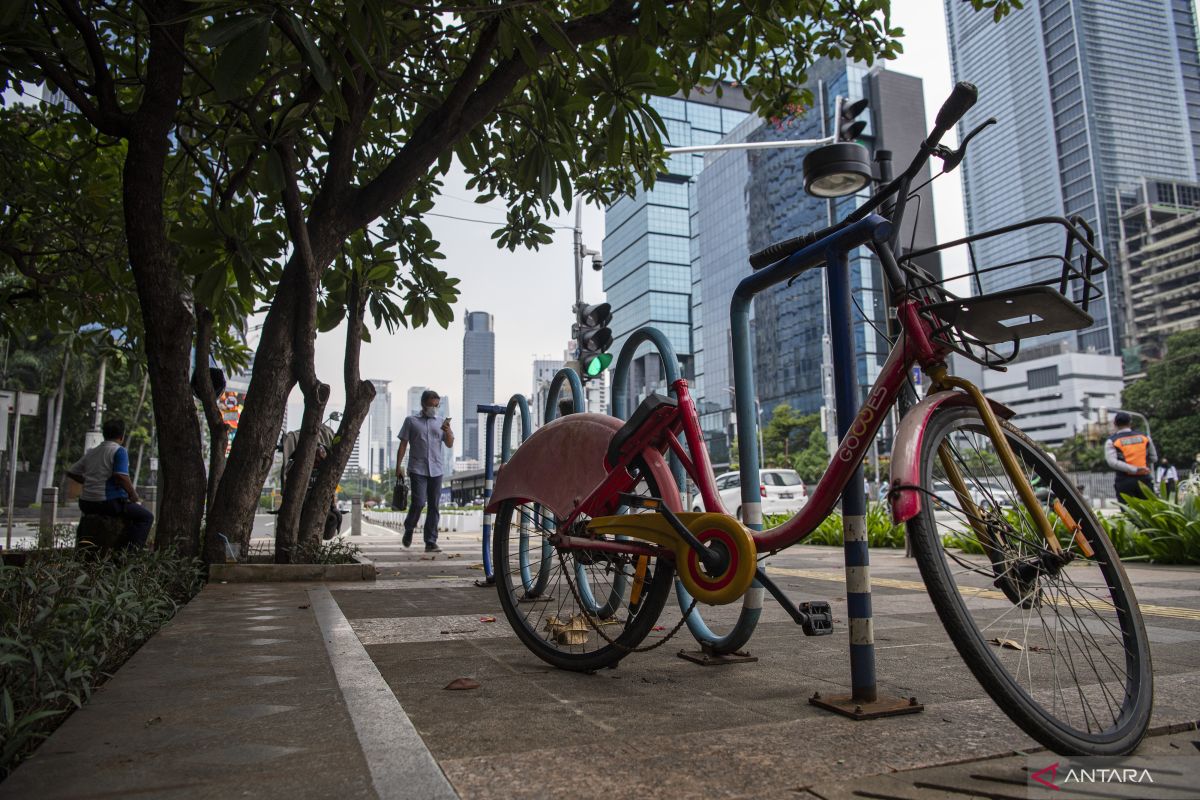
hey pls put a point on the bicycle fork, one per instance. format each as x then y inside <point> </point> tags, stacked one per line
<point>941,379</point>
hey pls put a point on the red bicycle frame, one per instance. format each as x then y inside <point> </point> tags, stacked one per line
<point>661,432</point>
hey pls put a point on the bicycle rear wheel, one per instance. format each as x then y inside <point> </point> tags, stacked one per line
<point>1060,647</point>
<point>593,607</point>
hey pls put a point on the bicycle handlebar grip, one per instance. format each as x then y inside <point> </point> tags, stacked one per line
<point>958,103</point>
<point>773,252</point>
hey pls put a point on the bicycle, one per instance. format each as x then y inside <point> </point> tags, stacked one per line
<point>1025,580</point>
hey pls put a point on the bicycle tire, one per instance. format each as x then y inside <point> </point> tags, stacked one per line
<point>531,628</point>
<point>1102,632</point>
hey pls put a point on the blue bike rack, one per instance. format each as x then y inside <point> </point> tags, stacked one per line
<point>714,648</point>
<point>533,587</point>
<point>489,578</point>
<point>864,701</point>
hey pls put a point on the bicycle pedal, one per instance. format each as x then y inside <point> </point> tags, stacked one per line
<point>818,618</point>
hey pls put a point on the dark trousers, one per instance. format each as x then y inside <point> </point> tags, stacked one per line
<point>138,518</point>
<point>1132,485</point>
<point>426,490</point>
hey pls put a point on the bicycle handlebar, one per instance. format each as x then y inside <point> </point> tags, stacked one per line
<point>957,104</point>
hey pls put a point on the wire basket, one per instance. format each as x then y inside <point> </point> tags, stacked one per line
<point>1049,293</point>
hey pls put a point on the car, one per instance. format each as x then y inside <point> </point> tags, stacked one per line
<point>782,492</point>
<point>985,493</point>
<point>344,506</point>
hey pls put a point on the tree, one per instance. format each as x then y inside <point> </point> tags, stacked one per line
<point>344,116</point>
<point>786,435</point>
<point>813,460</point>
<point>1169,396</point>
<point>1077,453</point>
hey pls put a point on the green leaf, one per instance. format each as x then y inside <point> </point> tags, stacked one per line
<point>312,55</point>
<point>241,61</point>
<point>225,30</point>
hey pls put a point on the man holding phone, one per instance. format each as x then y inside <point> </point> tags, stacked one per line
<point>424,433</point>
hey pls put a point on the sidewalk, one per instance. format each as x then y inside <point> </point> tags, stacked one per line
<point>337,690</point>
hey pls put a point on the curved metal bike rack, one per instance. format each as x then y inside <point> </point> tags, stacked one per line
<point>533,586</point>
<point>710,642</point>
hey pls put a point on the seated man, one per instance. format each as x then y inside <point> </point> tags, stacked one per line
<point>107,490</point>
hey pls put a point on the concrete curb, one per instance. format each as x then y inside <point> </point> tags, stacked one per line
<point>363,570</point>
<point>400,763</point>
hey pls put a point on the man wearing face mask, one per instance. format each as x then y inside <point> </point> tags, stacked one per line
<point>425,433</point>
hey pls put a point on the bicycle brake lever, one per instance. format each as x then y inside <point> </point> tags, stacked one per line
<point>954,157</point>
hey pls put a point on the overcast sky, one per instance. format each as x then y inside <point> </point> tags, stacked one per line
<point>530,293</point>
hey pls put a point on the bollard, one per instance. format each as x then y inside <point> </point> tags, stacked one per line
<point>356,514</point>
<point>49,517</point>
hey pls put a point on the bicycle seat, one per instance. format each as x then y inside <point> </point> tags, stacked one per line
<point>641,415</point>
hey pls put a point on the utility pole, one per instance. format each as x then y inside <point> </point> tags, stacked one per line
<point>94,436</point>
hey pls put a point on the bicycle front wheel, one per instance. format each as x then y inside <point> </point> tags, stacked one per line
<point>1057,641</point>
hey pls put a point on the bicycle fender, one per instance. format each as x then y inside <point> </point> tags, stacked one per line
<point>906,452</point>
<point>563,462</point>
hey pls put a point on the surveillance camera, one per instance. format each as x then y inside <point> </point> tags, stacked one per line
<point>597,263</point>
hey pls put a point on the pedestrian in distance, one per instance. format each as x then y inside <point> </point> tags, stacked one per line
<point>1166,478</point>
<point>422,437</point>
<point>107,490</point>
<point>1129,454</point>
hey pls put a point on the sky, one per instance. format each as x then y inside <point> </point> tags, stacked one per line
<point>530,293</point>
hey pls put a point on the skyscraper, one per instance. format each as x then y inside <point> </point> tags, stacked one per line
<point>647,250</point>
<point>1091,97</point>
<point>747,199</point>
<point>479,376</point>
<point>380,448</point>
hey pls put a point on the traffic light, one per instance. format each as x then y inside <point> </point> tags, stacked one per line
<point>850,128</point>
<point>593,338</point>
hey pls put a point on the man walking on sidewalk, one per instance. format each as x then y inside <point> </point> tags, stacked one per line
<point>425,433</point>
<point>1129,453</point>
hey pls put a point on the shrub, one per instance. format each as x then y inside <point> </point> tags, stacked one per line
<point>334,551</point>
<point>881,531</point>
<point>67,623</point>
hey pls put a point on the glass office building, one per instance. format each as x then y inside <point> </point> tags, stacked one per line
<point>479,377</point>
<point>648,276</point>
<point>1091,97</point>
<point>747,199</point>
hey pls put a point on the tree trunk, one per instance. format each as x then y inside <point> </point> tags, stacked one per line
<point>53,427</point>
<point>218,431</point>
<point>296,487</point>
<point>359,394</point>
<point>162,291</point>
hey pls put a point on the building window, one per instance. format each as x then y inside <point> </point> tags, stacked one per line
<point>1043,378</point>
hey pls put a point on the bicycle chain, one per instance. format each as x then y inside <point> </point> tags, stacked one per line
<point>596,628</point>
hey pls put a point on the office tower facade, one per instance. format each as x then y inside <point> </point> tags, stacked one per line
<point>479,377</point>
<point>747,199</point>
<point>544,370</point>
<point>1091,97</point>
<point>648,276</point>
<point>380,447</point>
<point>1160,257</point>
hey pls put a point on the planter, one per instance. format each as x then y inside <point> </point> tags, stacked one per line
<point>362,570</point>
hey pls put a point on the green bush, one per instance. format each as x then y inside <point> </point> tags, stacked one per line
<point>881,531</point>
<point>1163,531</point>
<point>67,623</point>
<point>334,551</point>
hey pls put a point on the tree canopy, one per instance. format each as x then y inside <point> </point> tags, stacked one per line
<point>1169,396</point>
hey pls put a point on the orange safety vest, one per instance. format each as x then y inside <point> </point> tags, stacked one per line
<point>1131,448</point>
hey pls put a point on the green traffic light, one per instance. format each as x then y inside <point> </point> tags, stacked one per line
<point>598,364</point>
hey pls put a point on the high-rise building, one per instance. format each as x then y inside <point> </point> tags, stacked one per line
<point>380,447</point>
<point>479,377</point>
<point>1160,259</point>
<point>747,199</point>
<point>647,250</point>
<point>1091,97</point>
<point>544,370</point>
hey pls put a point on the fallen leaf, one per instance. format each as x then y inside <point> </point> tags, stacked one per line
<point>462,683</point>
<point>487,619</point>
<point>153,721</point>
<point>1008,643</point>
<point>476,566</point>
<point>454,555</point>
<point>303,606</point>
<point>659,628</point>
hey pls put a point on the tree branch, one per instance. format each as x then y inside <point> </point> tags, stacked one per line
<point>447,124</point>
